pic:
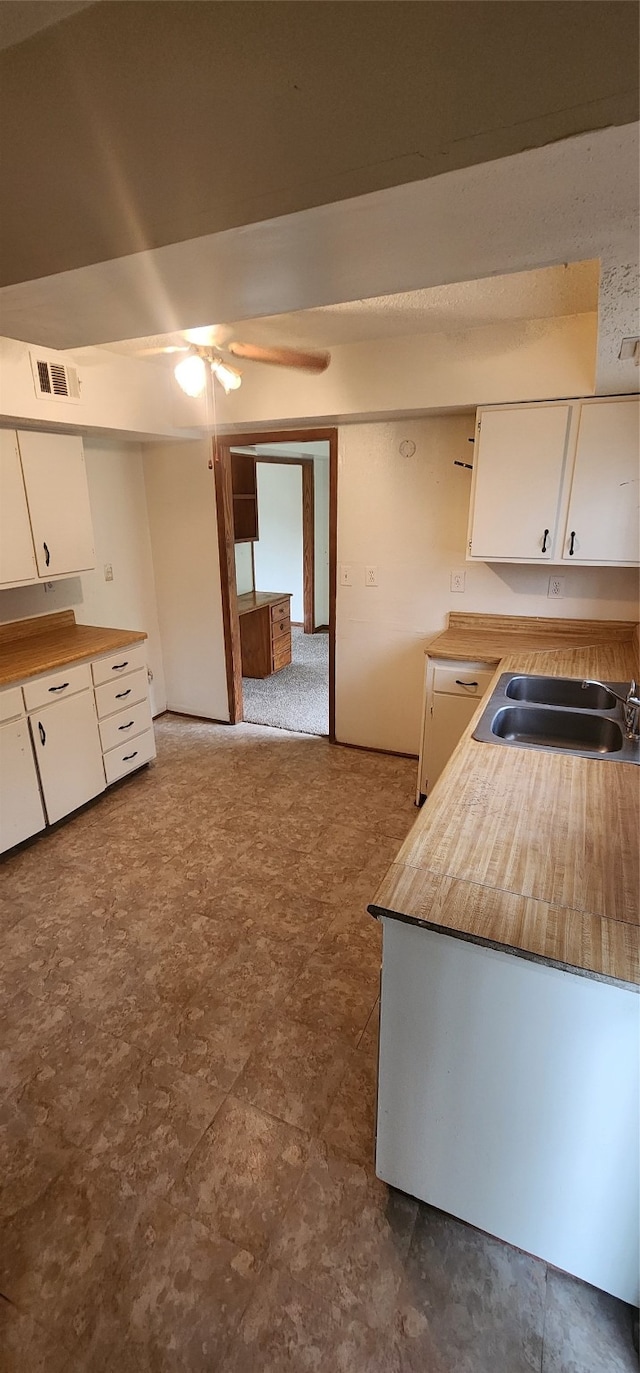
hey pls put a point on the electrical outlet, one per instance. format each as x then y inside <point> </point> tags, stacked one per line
<point>457,581</point>
<point>556,587</point>
<point>345,574</point>
<point>371,576</point>
<point>48,586</point>
<point>108,572</point>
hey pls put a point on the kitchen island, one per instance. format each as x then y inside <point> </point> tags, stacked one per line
<point>508,1074</point>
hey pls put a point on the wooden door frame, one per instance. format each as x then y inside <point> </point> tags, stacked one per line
<point>222,446</point>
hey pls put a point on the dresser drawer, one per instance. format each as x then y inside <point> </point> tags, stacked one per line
<point>127,757</point>
<point>11,704</point>
<point>112,696</point>
<point>128,659</point>
<point>281,652</point>
<point>118,729</point>
<point>280,611</point>
<point>42,691</point>
<point>280,627</point>
<point>463,680</point>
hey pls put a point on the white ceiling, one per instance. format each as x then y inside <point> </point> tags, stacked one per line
<point>571,289</point>
<point>20,19</point>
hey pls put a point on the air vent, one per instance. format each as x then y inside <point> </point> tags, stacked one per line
<point>55,380</point>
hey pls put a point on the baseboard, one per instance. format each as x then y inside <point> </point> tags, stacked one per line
<point>368,748</point>
<point>188,715</point>
<point>321,629</point>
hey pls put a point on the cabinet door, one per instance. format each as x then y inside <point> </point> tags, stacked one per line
<point>58,496</point>
<point>17,560</point>
<point>603,525</point>
<point>21,813</point>
<point>67,745</point>
<point>519,462</point>
<point>446,722</point>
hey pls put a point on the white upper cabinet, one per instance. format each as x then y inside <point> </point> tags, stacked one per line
<point>17,560</point>
<point>557,482</point>
<point>603,523</point>
<point>519,460</point>
<point>58,498</point>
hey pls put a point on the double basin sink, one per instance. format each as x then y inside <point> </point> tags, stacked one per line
<point>560,714</point>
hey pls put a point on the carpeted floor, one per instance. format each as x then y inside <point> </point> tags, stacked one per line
<point>296,698</point>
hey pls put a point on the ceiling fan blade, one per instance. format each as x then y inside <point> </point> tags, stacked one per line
<point>158,352</point>
<point>280,357</point>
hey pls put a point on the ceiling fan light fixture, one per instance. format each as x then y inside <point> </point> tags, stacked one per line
<point>230,379</point>
<point>191,375</point>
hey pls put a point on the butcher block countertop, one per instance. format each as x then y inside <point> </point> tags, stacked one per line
<point>532,852</point>
<point>41,644</point>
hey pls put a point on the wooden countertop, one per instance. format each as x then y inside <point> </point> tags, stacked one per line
<point>255,600</point>
<point>29,647</point>
<point>532,852</point>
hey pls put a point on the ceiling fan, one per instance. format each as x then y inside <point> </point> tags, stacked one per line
<point>202,352</point>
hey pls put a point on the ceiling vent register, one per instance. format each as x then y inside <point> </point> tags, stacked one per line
<point>55,380</point>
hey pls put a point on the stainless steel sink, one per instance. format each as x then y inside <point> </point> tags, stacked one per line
<point>565,729</point>
<point>560,691</point>
<point>557,714</point>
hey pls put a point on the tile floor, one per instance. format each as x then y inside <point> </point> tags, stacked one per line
<point>188,993</point>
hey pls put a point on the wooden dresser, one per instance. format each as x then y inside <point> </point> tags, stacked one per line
<point>265,632</point>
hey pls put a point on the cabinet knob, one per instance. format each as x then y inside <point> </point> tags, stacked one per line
<point>47,555</point>
<point>60,688</point>
<point>126,757</point>
<point>572,542</point>
<point>117,667</point>
<point>121,694</point>
<point>43,737</point>
<point>544,540</point>
<point>459,683</point>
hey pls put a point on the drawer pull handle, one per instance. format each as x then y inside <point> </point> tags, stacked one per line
<point>60,688</point>
<point>126,757</point>
<point>43,737</point>
<point>131,722</point>
<point>572,542</point>
<point>117,667</point>
<point>47,555</point>
<point>121,694</point>
<point>459,683</point>
<point>544,540</point>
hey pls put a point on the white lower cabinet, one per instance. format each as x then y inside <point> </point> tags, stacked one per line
<point>453,691</point>
<point>67,746</point>
<point>21,812</point>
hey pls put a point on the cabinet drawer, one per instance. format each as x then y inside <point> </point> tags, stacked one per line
<point>280,611</point>
<point>127,691</point>
<point>280,627</point>
<point>462,680</point>
<point>281,652</point>
<point>118,729</point>
<point>11,704</point>
<point>128,659</point>
<point>127,757</point>
<point>42,691</point>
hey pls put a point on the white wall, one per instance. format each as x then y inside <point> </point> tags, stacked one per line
<point>408,517</point>
<point>184,541</point>
<point>244,568</point>
<point>321,539</point>
<point>278,551</point>
<point>518,360</point>
<point>121,530</point>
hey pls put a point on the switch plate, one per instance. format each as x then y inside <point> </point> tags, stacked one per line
<point>108,572</point>
<point>457,581</point>
<point>345,574</point>
<point>371,576</point>
<point>556,588</point>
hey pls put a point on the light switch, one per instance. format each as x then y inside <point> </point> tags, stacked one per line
<point>108,572</point>
<point>345,574</point>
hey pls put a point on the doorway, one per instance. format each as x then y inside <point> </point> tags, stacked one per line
<point>277,513</point>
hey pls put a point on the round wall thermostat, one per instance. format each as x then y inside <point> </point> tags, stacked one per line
<point>407,448</point>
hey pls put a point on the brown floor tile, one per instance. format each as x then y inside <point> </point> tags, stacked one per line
<point>31,1155</point>
<point>331,995</point>
<point>470,1301</point>
<point>78,1075</point>
<point>345,1236</point>
<point>294,1074</point>
<point>149,1133</point>
<point>350,1125</point>
<point>242,1173</point>
<point>585,1331</point>
<point>287,1329</point>
<point>25,1347</point>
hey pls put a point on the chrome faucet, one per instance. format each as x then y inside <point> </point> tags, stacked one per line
<point>630,706</point>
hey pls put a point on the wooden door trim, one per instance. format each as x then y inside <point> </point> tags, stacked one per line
<point>222,467</point>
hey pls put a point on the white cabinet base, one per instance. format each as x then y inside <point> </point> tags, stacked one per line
<point>67,745</point>
<point>21,812</point>
<point>508,1096</point>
